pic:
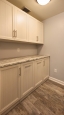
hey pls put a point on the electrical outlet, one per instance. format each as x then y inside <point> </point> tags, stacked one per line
<point>55,70</point>
<point>18,49</point>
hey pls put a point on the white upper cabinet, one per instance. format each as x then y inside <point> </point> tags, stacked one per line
<point>17,25</point>
<point>13,22</point>
<point>35,30</point>
<point>20,25</point>
<point>40,32</point>
<point>6,20</point>
<point>32,29</point>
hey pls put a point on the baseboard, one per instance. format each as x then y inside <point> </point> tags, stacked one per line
<point>10,108</point>
<point>35,87</point>
<point>46,78</point>
<point>57,81</point>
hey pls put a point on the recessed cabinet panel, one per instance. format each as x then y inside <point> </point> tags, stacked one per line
<point>32,29</point>
<point>40,32</point>
<point>45,67</point>
<point>38,72</point>
<point>26,78</point>
<point>20,25</point>
<point>9,87</point>
<point>6,20</point>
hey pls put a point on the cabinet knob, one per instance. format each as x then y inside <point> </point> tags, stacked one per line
<point>16,33</point>
<point>19,71</point>
<point>13,33</point>
<point>44,63</point>
<point>27,66</point>
<point>38,62</point>
<point>37,38</point>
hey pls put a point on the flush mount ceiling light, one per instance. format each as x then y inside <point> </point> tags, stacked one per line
<point>43,2</point>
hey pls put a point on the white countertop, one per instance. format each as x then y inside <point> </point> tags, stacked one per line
<point>8,62</point>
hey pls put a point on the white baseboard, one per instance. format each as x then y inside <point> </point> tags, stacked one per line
<point>56,80</point>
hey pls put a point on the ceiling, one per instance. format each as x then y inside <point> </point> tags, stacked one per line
<point>40,12</point>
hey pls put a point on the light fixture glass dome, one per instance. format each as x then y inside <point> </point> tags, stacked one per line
<point>43,2</point>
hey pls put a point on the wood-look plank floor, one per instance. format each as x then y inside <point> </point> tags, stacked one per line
<point>48,99</point>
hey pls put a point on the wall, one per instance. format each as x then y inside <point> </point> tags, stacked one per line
<point>9,50</point>
<point>54,45</point>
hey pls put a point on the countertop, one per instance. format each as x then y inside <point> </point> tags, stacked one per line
<point>8,62</point>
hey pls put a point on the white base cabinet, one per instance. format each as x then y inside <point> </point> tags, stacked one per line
<point>9,87</point>
<point>18,80</point>
<point>45,67</point>
<point>26,78</point>
<point>38,72</point>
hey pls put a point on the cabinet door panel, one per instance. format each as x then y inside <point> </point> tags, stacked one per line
<point>32,29</point>
<point>46,67</point>
<point>9,87</point>
<point>9,20</point>
<point>40,32</point>
<point>6,20</point>
<point>27,78</point>
<point>2,18</point>
<point>38,72</point>
<point>21,25</point>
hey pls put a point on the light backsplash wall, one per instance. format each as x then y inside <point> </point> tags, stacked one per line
<point>11,50</point>
<point>54,45</point>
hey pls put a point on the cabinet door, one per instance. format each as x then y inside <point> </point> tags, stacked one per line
<point>38,72</point>
<point>6,20</point>
<point>32,29</point>
<point>45,67</point>
<point>20,25</point>
<point>26,78</point>
<point>40,32</point>
<point>9,87</point>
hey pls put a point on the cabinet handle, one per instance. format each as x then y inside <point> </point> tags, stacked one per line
<point>38,62</point>
<point>16,33</point>
<point>19,71</point>
<point>37,38</point>
<point>44,63</point>
<point>27,66</point>
<point>13,33</point>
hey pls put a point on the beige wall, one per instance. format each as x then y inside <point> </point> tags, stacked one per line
<point>54,45</point>
<point>9,50</point>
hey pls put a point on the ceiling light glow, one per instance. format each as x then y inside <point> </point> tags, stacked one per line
<point>43,2</point>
